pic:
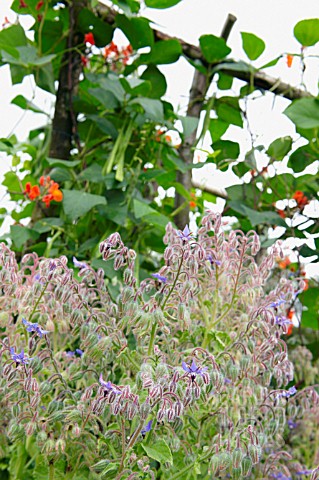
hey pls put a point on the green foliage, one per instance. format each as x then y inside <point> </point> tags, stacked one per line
<point>304,113</point>
<point>307,32</point>
<point>213,48</point>
<point>252,45</point>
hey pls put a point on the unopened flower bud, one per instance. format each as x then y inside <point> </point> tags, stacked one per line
<point>60,445</point>
<point>179,408</point>
<point>236,473</point>
<point>237,456</point>
<point>196,392</point>
<point>145,409</point>
<point>160,415</point>
<point>170,413</point>
<point>214,464</point>
<point>49,446</point>
<point>315,474</point>
<point>254,453</point>
<point>161,370</point>
<point>247,466</point>
<point>30,428</point>
<point>224,460</point>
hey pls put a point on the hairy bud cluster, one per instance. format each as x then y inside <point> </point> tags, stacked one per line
<point>194,355</point>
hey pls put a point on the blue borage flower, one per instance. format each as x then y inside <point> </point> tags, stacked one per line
<point>147,428</point>
<point>78,264</point>
<point>282,320</point>
<point>291,424</point>
<point>288,393</point>
<point>194,369</point>
<point>186,234</point>
<point>279,302</point>
<point>213,260</point>
<point>34,327</point>
<point>280,476</point>
<point>19,358</point>
<point>108,386</point>
<point>159,277</point>
<point>71,353</point>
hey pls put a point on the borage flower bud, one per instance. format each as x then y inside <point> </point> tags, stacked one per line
<point>247,466</point>
<point>126,294</point>
<point>254,453</point>
<point>30,428</point>
<point>156,392</point>
<point>179,408</point>
<point>236,473</point>
<point>237,456</point>
<point>116,408</point>
<point>131,411</point>
<point>60,445</point>
<point>214,464</point>
<point>145,409</point>
<point>76,430</point>
<point>187,400</point>
<point>172,387</point>
<point>315,474</point>
<point>196,392</point>
<point>160,415</point>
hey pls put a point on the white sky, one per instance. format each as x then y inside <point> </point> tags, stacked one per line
<point>273,21</point>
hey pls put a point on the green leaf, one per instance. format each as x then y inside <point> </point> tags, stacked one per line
<point>213,48</point>
<point>161,3</point>
<point>47,224</point>
<point>20,235</point>
<point>307,32</point>
<point>310,313</point>
<point>93,174</point>
<point>104,125</point>
<point>228,110</point>
<point>304,113</point>
<point>160,452</point>
<point>137,30</point>
<point>102,31</point>
<point>227,148</point>
<point>157,80</point>
<point>255,217</point>
<point>77,203</point>
<point>12,37</point>
<point>162,52</point>
<point>252,45</point>
<point>62,163</point>
<point>302,157</point>
<point>189,124</point>
<point>153,108</point>
<point>141,209</point>
<point>136,86</point>
<point>225,82</point>
<point>217,128</point>
<point>105,97</point>
<point>279,148</point>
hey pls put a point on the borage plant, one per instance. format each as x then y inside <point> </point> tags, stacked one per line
<point>184,376</point>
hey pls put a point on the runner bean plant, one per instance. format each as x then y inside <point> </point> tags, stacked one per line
<point>184,375</point>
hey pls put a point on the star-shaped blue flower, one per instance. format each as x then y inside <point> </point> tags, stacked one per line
<point>34,327</point>
<point>19,358</point>
<point>186,234</point>
<point>159,277</point>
